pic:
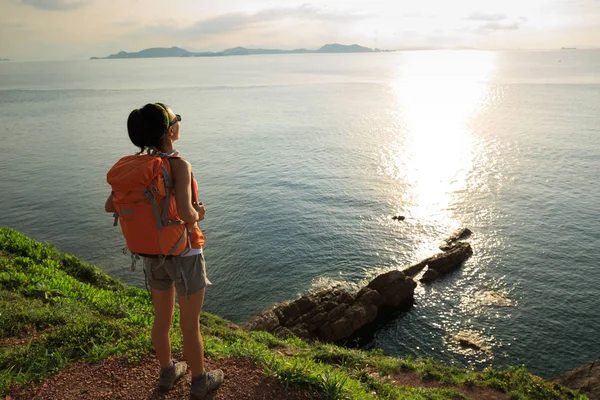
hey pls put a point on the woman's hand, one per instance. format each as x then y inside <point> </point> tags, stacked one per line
<point>199,207</point>
<point>109,206</point>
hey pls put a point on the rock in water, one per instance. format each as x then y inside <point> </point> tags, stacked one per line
<point>493,298</point>
<point>471,340</point>
<point>395,288</point>
<point>333,315</point>
<point>430,275</point>
<point>457,235</point>
<point>445,262</point>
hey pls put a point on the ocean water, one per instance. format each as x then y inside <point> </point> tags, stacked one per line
<point>302,160</point>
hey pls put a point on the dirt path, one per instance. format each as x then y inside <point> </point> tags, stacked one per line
<point>116,379</point>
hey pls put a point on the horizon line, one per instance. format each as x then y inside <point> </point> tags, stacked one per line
<point>6,59</point>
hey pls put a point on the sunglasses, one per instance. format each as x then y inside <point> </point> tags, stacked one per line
<point>176,120</point>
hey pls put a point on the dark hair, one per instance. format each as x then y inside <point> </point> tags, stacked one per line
<point>147,126</point>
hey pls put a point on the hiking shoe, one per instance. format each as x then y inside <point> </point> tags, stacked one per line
<point>170,375</point>
<point>206,383</point>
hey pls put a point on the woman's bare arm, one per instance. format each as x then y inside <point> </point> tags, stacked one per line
<point>182,174</point>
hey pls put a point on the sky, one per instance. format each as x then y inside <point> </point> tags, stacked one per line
<point>79,29</point>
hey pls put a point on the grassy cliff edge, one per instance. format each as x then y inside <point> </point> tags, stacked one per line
<point>56,309</point>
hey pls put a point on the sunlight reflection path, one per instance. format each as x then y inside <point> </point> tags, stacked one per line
<point>438,94</point>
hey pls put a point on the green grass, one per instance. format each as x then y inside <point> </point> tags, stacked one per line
<point>67,310</point>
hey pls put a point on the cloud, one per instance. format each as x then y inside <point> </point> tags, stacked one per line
<point>477,16</point>
<point>496,26</point>
<point>239,21</point>
<point>127,23</point>
<point>489,23</point>
<point>56,5</point>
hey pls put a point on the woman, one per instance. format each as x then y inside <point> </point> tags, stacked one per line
<point>154,128</point>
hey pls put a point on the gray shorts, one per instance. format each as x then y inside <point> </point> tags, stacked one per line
<point>187,274</point>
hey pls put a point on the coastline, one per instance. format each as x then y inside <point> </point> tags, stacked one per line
<point>71,312</point>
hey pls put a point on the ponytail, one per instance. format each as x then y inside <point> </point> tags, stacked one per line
<point>147,126</point>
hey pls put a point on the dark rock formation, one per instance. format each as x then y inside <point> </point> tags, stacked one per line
<point>586,379</point>
<point>457,235</point>
<point>399,217</point>
<point>441,263</point>
<point>415,269</point>
<point>445,262</point>
<point>333,315</point>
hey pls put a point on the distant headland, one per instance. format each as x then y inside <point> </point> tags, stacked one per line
<point>161,52</point>
<point>4,59</point>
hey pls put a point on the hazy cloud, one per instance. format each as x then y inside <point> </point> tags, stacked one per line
<point>125,23</point>
<point>477,16</point>
<point>56,5</point>
<point>496,26</point>
<point>495,22</point>
<point>238,21</point>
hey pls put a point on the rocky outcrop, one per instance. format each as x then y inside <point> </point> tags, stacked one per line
<point>441,263</point>
<point>445,262</point>
<point>586,379</point>
<point>461,233</point>
<point>333,315</point>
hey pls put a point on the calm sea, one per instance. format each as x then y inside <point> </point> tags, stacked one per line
<point>302,160</point>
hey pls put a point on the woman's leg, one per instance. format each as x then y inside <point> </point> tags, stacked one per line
<point>193,347</point>
<point>164,303</point>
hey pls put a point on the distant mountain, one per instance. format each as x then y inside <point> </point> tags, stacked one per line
<point>158,52</point>
<point>340,48</point>
<point>155,52</point>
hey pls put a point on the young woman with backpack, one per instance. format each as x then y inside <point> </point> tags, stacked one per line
<point>154,197</point>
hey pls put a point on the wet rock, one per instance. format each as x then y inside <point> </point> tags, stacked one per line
<point>415,269</point>
<point>335,314</point>
<point>459,234</point>
<point>332,315</point>
<point>430,275</point>
<point>471,340</point>
<point>353,319</point>
<point>395,288</point>
<point>493,298</point>
<point>443,263</point>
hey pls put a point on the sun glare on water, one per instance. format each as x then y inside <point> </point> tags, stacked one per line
<point>438,94</point>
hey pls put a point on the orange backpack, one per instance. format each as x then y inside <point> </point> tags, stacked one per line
<point>143,196</point>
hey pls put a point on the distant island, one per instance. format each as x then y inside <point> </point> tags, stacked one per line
<point>4,59</point>
<point>161,52</point>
